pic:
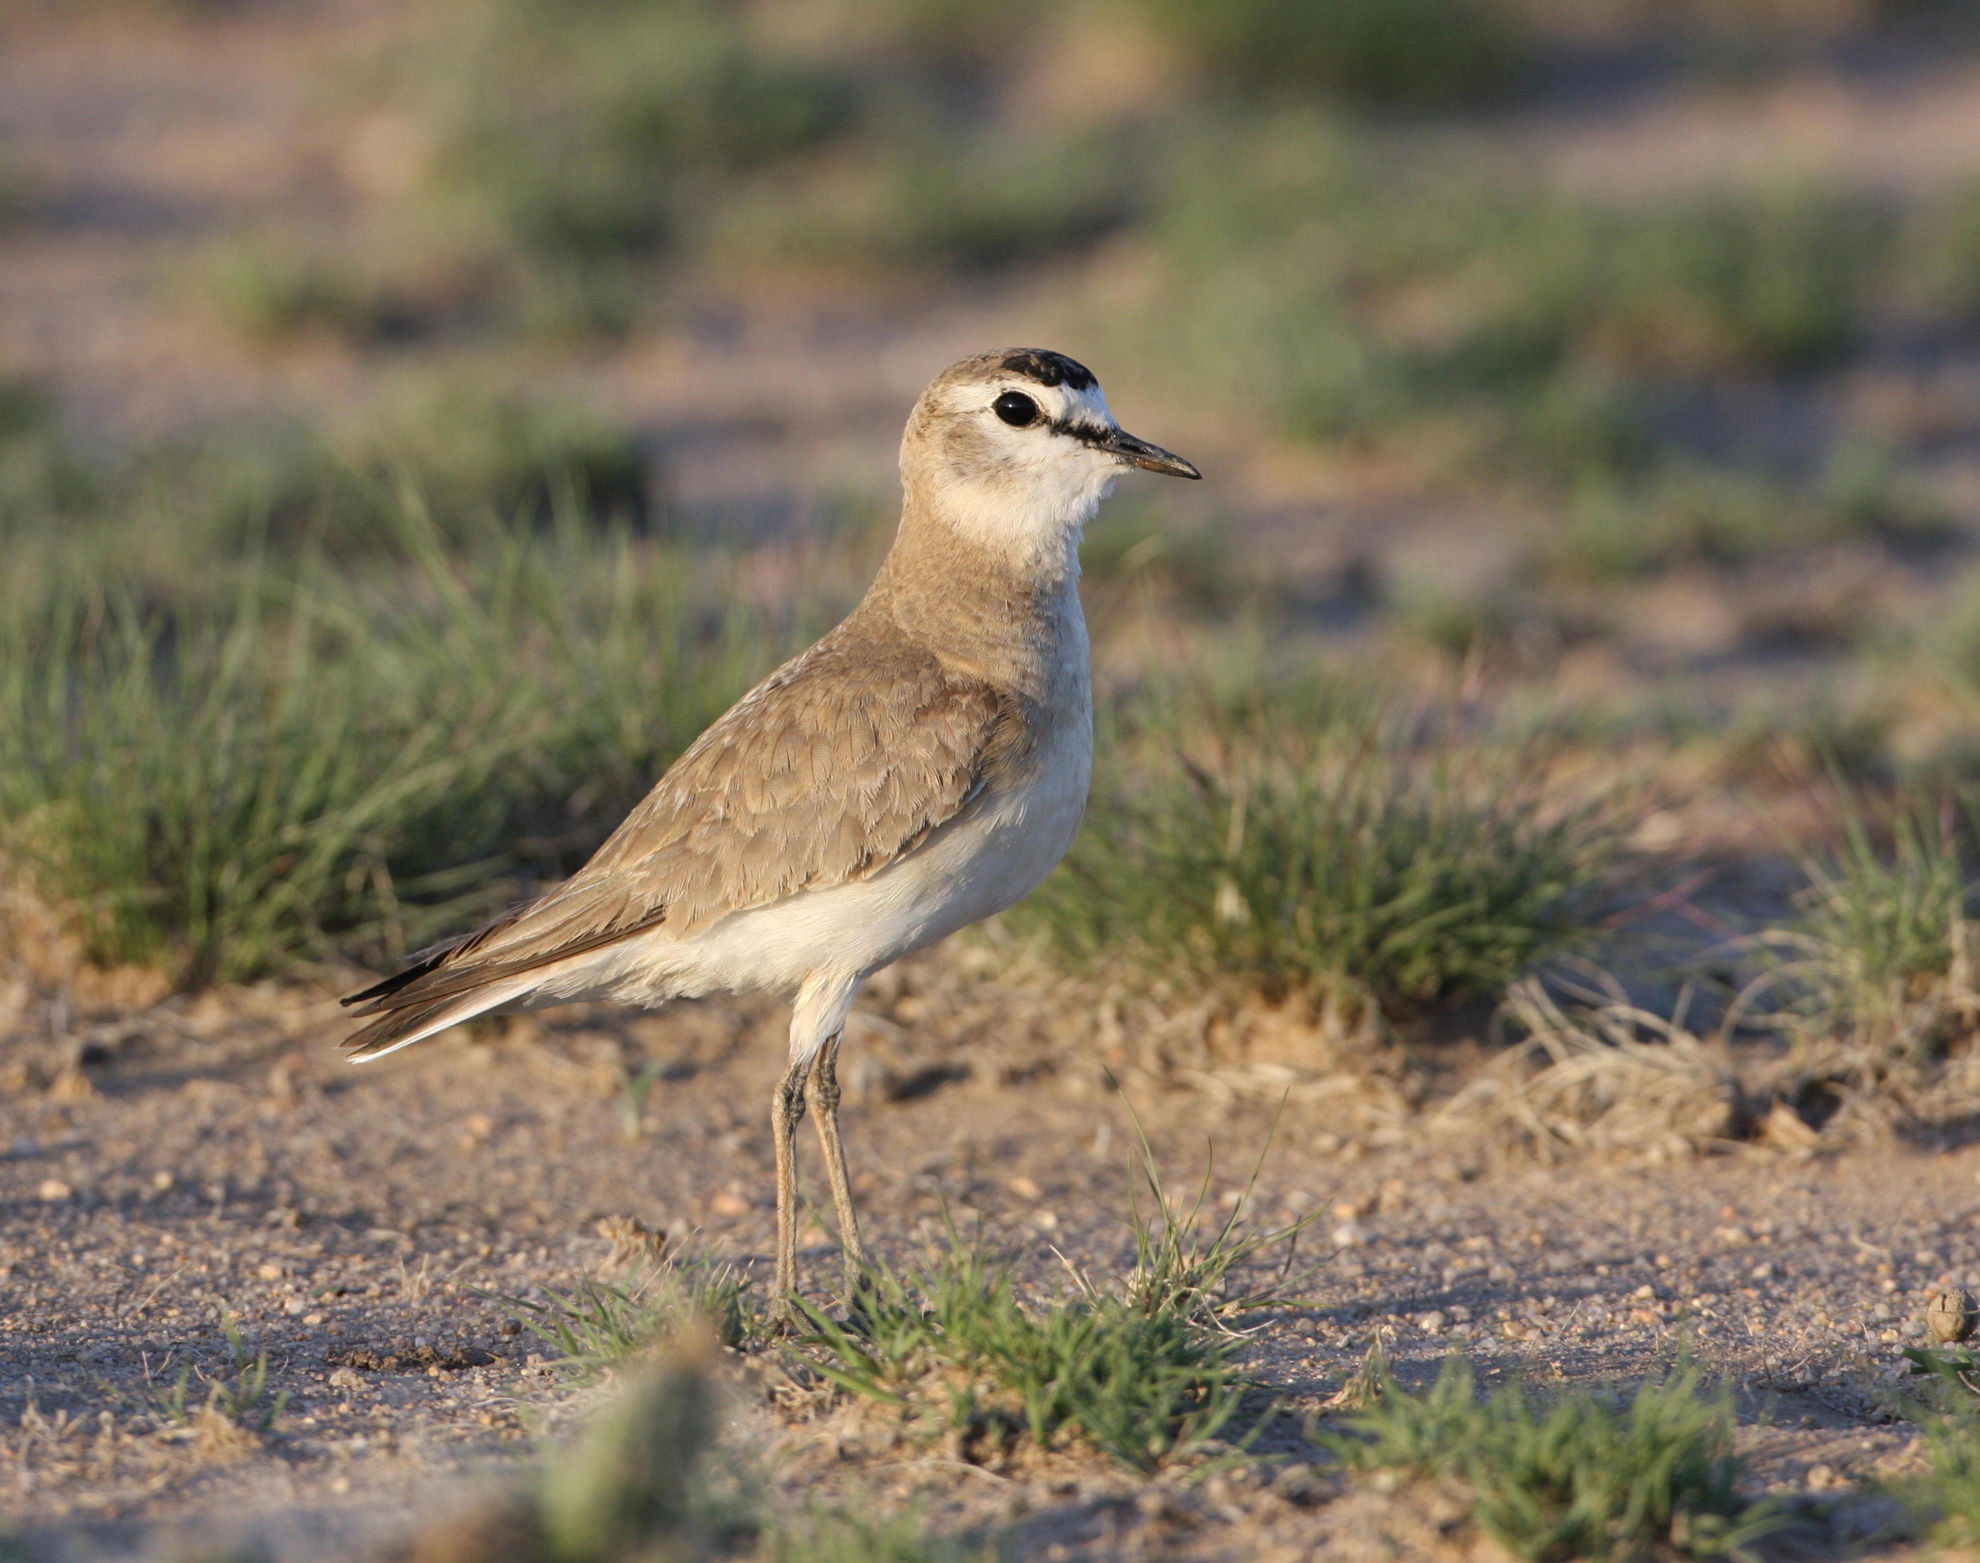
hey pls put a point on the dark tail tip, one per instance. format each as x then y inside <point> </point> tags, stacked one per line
<point>375,995</point>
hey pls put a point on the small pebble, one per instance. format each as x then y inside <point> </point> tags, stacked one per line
<point>1952,1315</point>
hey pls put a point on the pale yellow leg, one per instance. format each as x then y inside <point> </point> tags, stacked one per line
<point>823,1092</point>
<point>786,1111</point>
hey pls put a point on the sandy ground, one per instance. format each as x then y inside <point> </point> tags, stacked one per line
<point>364,1225</point>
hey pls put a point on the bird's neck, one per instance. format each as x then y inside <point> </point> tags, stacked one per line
<point>1008,614</point>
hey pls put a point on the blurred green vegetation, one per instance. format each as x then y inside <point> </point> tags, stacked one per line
<point>280,759</point>
<point>1505,328</point>
<point>44,479</point>
<point>1874,965</point>
<point>1407,53</point>
<point>458,452</point>
<point>1291,188</point>
<point>13,190</point>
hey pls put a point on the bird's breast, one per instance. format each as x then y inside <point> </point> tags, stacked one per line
<point>989,856</point>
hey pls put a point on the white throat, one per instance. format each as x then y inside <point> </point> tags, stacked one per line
<point>1033,524</point>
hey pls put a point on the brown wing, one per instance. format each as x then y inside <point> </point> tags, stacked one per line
<point>837,764</point>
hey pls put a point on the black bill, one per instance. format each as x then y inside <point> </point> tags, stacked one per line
<point>1139,453</point>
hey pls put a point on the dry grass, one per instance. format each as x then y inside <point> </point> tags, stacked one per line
<point>1602,1075</point>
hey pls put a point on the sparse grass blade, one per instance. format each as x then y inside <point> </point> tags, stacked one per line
<point>236,1403</point>
<point>599,1324</point>
<point>1176,1272</point>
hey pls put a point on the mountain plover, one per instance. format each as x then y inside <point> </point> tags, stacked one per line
<point>924,765</point>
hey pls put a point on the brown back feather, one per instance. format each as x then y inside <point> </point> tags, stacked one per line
<point>843,760</point>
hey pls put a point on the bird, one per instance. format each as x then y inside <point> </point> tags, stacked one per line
<point>922,766</point>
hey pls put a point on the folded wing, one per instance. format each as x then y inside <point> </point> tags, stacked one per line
<point>841,762</point>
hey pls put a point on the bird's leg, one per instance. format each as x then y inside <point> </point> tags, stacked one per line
<point>823,1091</point>
<point>786,1112</point>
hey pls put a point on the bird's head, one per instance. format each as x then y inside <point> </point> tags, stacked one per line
<point>1015,449</point>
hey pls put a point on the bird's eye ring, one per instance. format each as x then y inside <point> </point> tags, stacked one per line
<point>1016,409</point>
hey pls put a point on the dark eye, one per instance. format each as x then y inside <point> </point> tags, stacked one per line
<point>1015,408</point>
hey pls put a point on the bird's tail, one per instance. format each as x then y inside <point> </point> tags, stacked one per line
<point>464,977</point>
<point>401,1026</point>
<point>407,1009</point>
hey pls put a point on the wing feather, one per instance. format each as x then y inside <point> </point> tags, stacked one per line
<point>840,762</point>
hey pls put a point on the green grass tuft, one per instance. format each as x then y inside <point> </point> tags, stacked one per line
<point>1876,965</point>
<point>1144,1370</point>
<point>635,1480</point>
<point>1575,1476</point>
<point>1176,1272</point>
<point>955,1352</point>
<point>347,759</point>
<point>1326,847</point>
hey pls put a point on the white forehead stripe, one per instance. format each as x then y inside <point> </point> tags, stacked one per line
<point>1086,406</point>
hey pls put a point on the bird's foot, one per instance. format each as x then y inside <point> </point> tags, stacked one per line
<point>785,1318</point>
